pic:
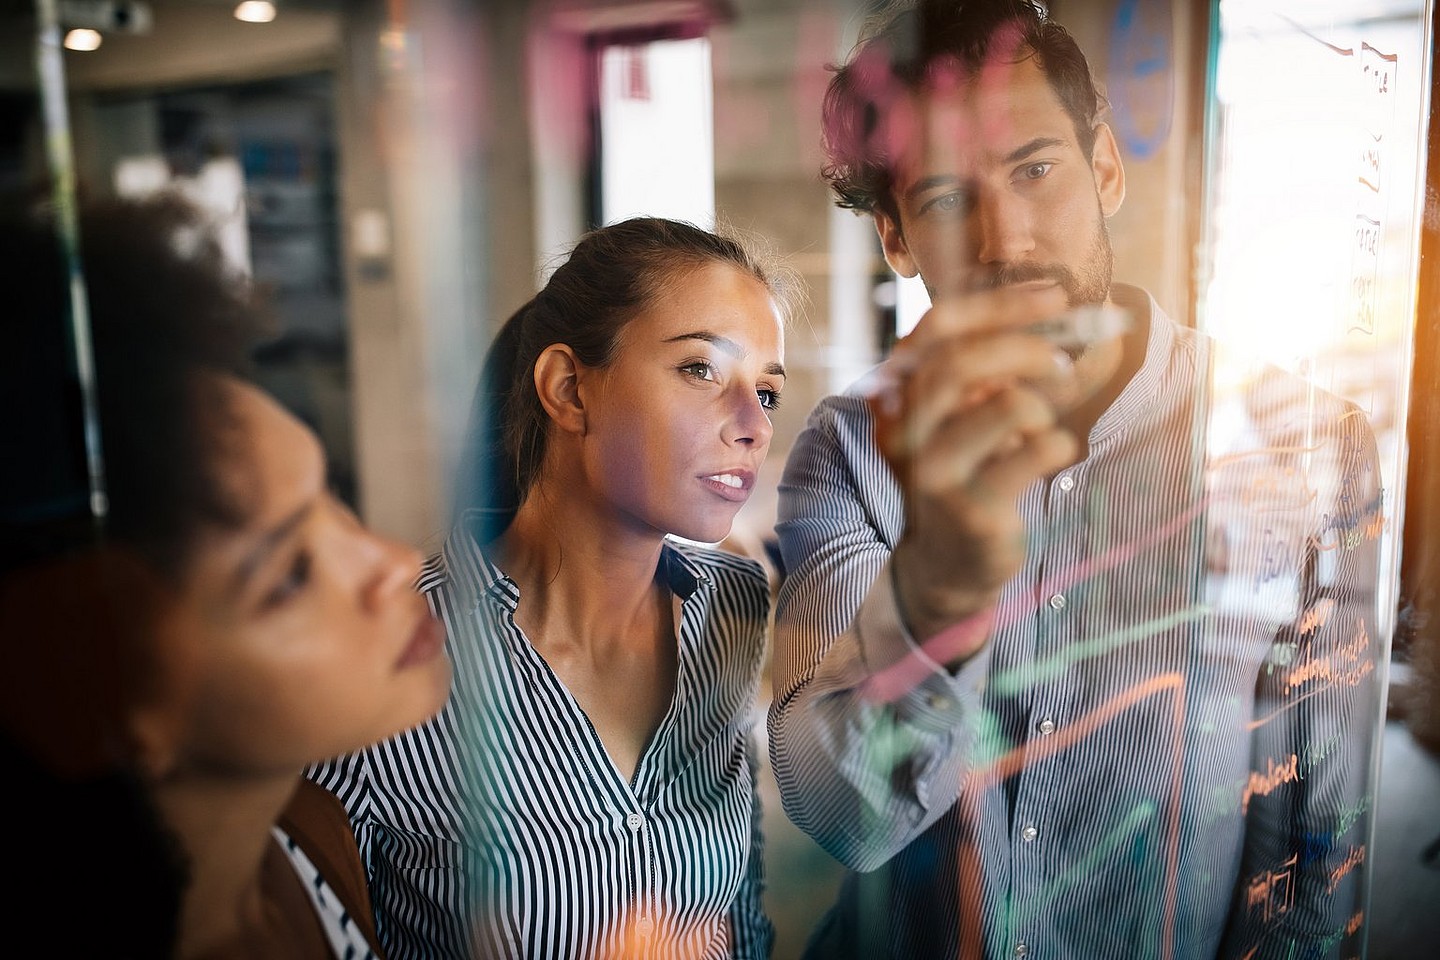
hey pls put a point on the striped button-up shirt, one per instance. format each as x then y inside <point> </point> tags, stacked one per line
<point>503,829</point>
<point>1163,749</point>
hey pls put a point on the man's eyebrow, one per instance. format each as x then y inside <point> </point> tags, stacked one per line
<point>269,542</point>
<point>930,183</point>
<point>1014,156</point>
<point>1031,146</point>
<point>727,345</point>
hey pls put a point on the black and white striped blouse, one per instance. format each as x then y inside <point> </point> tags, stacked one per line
<point>1164,748</point>
<point>503,829</point>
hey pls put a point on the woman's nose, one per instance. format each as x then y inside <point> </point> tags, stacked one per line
<point>396,568</point>
<point>750,424</point>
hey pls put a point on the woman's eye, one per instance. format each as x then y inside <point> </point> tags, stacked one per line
<point>769,399</point>
<point>291,584</point>
<point>699,369</point>
<point>1035,171</point>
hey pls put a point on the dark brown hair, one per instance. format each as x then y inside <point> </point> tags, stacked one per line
<point>610,276</point>
<point>81,595</point>
<point>162,307</point>
<point>904,49</point>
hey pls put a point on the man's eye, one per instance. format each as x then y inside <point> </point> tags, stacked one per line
<point>769,399</point>
<point>947,203</point>
<point>1035,171</point>
<point>698,369</point>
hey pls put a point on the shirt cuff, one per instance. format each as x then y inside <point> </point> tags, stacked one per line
<point>935,699</point>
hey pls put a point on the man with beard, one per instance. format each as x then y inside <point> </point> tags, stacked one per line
<point>1075,651</point>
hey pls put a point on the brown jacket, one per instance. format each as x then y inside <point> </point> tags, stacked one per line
<point>317,822</point>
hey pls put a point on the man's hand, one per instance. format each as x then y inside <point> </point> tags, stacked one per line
<point>963,420</point>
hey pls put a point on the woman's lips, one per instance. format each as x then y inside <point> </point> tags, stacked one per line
<point>426,643</point>
<point>733,485</point>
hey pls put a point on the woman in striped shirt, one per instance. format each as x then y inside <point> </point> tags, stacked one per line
<point>606,671</point>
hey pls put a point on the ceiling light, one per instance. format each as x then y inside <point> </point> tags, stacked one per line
<point>82,39</point>
<point>255,11</point>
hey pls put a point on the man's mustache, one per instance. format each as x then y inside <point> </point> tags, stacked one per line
<point>1026,273</point>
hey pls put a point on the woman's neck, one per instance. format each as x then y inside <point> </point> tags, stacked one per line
<point>224,826</point>
<point>578,568</point>
<point>591,607</point>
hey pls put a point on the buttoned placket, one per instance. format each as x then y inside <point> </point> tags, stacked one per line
<point>1063,548</point>
<point>651,776</point>
<point>642,859</point>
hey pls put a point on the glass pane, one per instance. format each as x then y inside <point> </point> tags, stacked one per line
<point>1316,184</point>
<point>1181,733</point>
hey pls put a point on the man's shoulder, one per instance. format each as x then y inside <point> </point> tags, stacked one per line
<point>841,419</point>
<point>850,406</point>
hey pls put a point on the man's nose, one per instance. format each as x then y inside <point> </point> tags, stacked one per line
<point>1002,228</point>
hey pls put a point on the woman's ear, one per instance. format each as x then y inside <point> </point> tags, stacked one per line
<point>154,742</point>
<point>557,382</point>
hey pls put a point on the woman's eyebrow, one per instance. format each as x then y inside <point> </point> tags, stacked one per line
<point>724,343</point>
<point>727,345</point>
<point>269,542</point>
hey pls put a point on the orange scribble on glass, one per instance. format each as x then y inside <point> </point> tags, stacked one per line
<point>1281,488</point>
<point>1272,891</point>
<point>1347,666</point>
<point>1316,616</point>
<point>1353,860</point>
<point>1263,784</point>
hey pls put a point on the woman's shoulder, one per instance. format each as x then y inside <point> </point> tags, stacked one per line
<point>316,821</point>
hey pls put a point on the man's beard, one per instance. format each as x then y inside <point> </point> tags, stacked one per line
<point>1090,283</point>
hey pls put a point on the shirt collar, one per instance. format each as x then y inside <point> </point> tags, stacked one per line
<point>469,571</point>
<point>1139,396</point>
<point>472,574</point>
<point>682,574</point>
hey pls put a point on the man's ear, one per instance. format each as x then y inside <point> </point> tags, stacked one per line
<point>1109,171</point>
<point>557,382</point>
<point>892,241</point>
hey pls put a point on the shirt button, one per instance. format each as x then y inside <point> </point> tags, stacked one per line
<point>634,821</point>
<point>1046,727</point>
<point>938,701</point>
<point>645,926</point>
<point>1067,483</point>
<point>1028,834</point>
<point>1057,601</point>
<point>1021,949</point>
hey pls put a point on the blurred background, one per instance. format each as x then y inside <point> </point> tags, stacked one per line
<point>400,175</point>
